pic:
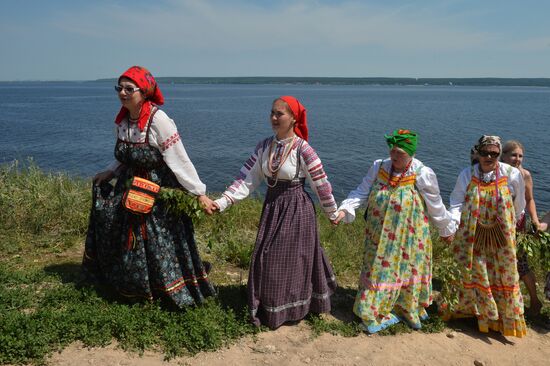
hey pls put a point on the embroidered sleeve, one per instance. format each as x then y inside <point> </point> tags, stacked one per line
<point>165,137</point>
<point>427,185</point>
<point>248,179</point>
<point>318,180</point>
<point>359,196</point>
<point>170,142</point>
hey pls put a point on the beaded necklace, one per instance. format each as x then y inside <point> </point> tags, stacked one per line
<point>286,153</point>
<point>284,156</point>
<point>394,184</point>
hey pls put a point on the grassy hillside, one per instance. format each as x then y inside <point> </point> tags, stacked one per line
<point>45,305</point>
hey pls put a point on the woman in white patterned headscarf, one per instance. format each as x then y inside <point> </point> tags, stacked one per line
<point>487,200</point>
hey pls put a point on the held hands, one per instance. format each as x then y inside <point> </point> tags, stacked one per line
<point>540,226</point>
<point>336,221</point>
<point>448,239</point>
<point>208,205</point>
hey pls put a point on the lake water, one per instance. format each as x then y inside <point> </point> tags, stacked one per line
<point>68,126</point>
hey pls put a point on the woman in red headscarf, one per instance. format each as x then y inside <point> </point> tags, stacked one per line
<point>289,274</point>
<point>145,255</point>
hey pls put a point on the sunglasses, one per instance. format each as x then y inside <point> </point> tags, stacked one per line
<point>488,154</point>
<point>127,89</point>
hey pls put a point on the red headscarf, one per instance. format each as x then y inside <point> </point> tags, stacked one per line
<point>151,91</point>
<point>299,112</point>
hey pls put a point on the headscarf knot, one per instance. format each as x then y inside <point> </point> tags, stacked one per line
<point>404,139</point>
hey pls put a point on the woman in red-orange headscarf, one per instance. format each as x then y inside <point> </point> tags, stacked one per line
<point>154,254</point>
<point>289,273</point>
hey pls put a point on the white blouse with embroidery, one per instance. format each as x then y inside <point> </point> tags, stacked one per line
<point>515,184</point>
<point>426,184</point>
<point>164,136</point>
<point>255,170</point>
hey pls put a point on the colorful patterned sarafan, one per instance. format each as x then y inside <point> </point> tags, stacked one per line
<point>490,282</point>
<point>395,280</point>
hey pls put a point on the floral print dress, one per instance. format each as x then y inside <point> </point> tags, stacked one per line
<point>395,281</point>
<point>490,281</point>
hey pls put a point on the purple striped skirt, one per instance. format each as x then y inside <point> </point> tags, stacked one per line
<point>289,273</point>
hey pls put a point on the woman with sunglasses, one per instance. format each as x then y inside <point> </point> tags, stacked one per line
<point>402,195</point>
<point>289,274</point>
<point>145,256</point>
<point>486,202</point>
<point>512,153</point>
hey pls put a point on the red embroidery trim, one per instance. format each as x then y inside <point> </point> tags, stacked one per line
<point>171,141</point>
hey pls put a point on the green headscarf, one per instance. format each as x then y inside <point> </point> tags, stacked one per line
<point>404,139</point>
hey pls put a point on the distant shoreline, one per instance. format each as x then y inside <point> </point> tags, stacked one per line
<point>374,81</point>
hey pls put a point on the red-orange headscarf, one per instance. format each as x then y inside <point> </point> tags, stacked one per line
<point>151,91</point>
<point>299,112</point>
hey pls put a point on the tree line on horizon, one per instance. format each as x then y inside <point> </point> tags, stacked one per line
<point>489,81</point>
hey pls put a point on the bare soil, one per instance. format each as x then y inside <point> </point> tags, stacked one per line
<point>295,345</point>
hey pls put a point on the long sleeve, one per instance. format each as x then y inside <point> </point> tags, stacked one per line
<point>458,194</point>
<point>359,196</point>
<point>318,181</point>
<point>427,185</point>
<point>249,178</point>
<point>165,137</point>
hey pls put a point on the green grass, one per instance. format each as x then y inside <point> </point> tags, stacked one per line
<point>45,212</point>
<point>45,305</point>
<point>42,314</point>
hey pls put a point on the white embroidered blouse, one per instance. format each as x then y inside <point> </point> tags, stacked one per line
<point>515,184</point>
<point>164,136</point>
<point>255,170</point>
<point>426,184</point>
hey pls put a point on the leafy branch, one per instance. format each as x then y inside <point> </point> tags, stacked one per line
<point>180,202</point>
<point>537,246</point>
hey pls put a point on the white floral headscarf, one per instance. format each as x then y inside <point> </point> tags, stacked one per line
<point>488,140</point>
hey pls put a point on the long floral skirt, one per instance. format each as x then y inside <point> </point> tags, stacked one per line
<point>396,279</point>
<point>489,288</point>
<point>289,273</point>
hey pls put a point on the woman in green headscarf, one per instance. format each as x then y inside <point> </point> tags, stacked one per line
<point>401,195</point>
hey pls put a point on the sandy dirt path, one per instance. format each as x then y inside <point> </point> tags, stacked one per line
<point>294,345</point>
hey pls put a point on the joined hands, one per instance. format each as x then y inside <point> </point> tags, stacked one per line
<point>208,205</point>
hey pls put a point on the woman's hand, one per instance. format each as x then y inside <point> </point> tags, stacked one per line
<point>207,204</point>
<point>336,221</point>
<point>103,177</point>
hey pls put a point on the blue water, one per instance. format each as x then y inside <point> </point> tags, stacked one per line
<point>68,126</point>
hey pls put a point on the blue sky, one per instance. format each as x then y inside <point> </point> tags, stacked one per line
<point>83,40</point>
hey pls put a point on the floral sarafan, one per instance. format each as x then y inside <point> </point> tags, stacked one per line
<point>396,274</point>
<point>490,285</point>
